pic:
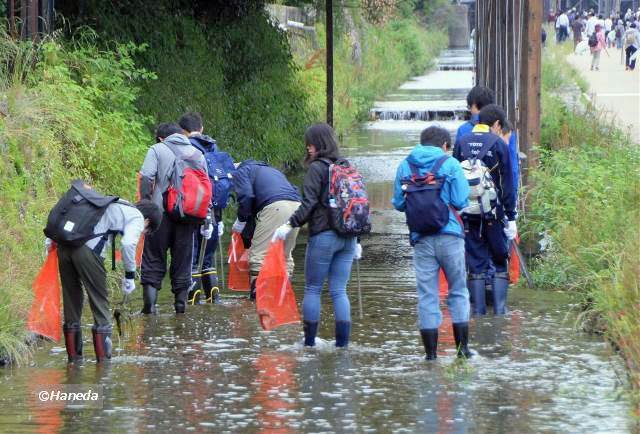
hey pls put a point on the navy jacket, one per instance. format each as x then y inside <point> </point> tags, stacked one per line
<point>257,185</point>
<point>498,159</point>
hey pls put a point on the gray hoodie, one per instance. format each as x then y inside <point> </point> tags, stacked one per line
<point>158,163</point>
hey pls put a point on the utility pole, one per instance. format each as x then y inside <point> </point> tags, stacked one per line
<point>329,32</point>
<point>530,71</point>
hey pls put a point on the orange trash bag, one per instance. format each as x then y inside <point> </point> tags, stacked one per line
<point>275,301</point>
<point>514,262</point>
<point>44,317</point>
<point>238,264</point>
<point>443,284</point>
<point>139,251</point>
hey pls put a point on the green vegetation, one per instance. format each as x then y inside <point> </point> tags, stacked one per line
<point>585,201</point>
<point>66,112</point>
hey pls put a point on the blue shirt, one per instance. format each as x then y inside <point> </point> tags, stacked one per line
<point>455,190</point>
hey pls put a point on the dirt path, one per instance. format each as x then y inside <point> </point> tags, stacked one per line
<point>613,89</point>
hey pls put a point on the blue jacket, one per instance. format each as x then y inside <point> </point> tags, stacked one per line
<point>498,159</point>
<point>467,127</point>
<point>455,190</point>
<point>257,185</point>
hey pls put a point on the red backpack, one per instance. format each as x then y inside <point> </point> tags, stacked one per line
<point>189,194</point>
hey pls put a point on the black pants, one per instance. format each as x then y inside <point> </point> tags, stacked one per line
<point>80,267</point>
<point>176,238</point>
<point>629,52</point>
<point>486,244</point>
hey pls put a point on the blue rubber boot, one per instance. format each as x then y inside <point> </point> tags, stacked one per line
<point>500,289</point>
<point>476,284</point>
<point>310,332</point>
<point>343,329</point>
<point>430,342</point>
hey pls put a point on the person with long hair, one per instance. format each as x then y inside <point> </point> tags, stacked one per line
<point>329,255</point>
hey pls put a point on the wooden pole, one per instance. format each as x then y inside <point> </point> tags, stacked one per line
<point>329,32</point>
<point>530,85</point>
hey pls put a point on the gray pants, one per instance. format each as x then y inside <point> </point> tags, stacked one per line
<point>270,218</point>
<point>80,266</point>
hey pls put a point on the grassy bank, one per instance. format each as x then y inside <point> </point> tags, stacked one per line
<point>585,201</point>
<point>66,112</point>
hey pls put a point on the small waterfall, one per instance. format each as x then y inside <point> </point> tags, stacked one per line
<point>419,115</point>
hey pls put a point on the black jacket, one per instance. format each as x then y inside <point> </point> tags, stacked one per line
<point>314,208</point>
<point>257,185</point>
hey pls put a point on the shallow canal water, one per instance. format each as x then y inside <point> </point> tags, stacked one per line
<point>214,370</point>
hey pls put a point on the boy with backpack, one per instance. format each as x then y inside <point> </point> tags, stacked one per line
<point>221,169</point>
<point>82,224</point>
<point>174,176</point>
<point>490,217</point>
<point>430,189</point>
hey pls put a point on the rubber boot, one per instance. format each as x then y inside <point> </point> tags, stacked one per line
<point>430,341</point>
<point>310,332</point>
<point>343,328</point>
<point>102,342</point>
<point>195,295</point>
<point>500,288</point>
<point>149,298</point>
<point>461,336</point>
<point>476,284</point>
<point>210,287</point>
<point>73,341</point>
<point>180,301</point>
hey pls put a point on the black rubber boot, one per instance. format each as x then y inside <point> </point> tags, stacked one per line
<point>149,298</point>
<point>343,329</point>
<point>210,287</point>
<point>73,341</point>
<point>476,286</point>
<point>430,342</point>
<point>310,332</point>
<point>102,342</point>
<point>461,336</point>
<point>180,301</point>
<point>500,289</point>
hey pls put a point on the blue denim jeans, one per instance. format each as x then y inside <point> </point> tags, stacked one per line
<point>430,254</point>
<point>328,256</point>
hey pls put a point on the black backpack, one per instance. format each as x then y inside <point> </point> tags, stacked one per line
<point>425,210</point>
<point>72,220</point>
<point>593,40</point>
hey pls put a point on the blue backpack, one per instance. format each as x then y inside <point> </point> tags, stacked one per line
<point>221,172</point>
<point>425,210</point>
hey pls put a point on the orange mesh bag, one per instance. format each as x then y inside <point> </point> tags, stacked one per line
<point>275,301</point>
<point>514,262</point>
<point>238,264</point>
<point>443,284</point>
<point>44,317</point>
<point>139,251</point>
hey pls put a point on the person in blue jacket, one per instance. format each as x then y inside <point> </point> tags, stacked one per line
<point>488,233</point>
<point>266,200</point>
<point>444,249</point>
<point>477,98</point>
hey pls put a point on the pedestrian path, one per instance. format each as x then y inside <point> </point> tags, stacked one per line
<point>613,89</point>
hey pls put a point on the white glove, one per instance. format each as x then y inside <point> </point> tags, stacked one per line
<point>220,229</point>
<point>357,255</point>
<point>510,230</point>
<point>48,245</point>
<point>282,232</point>
<point>128,285</point>
<point>238,226</point>
<point>206,231</point>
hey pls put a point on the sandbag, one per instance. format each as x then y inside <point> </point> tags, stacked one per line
<point>238,264</point>
<point>44,317</point>
<point>275,301</point>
